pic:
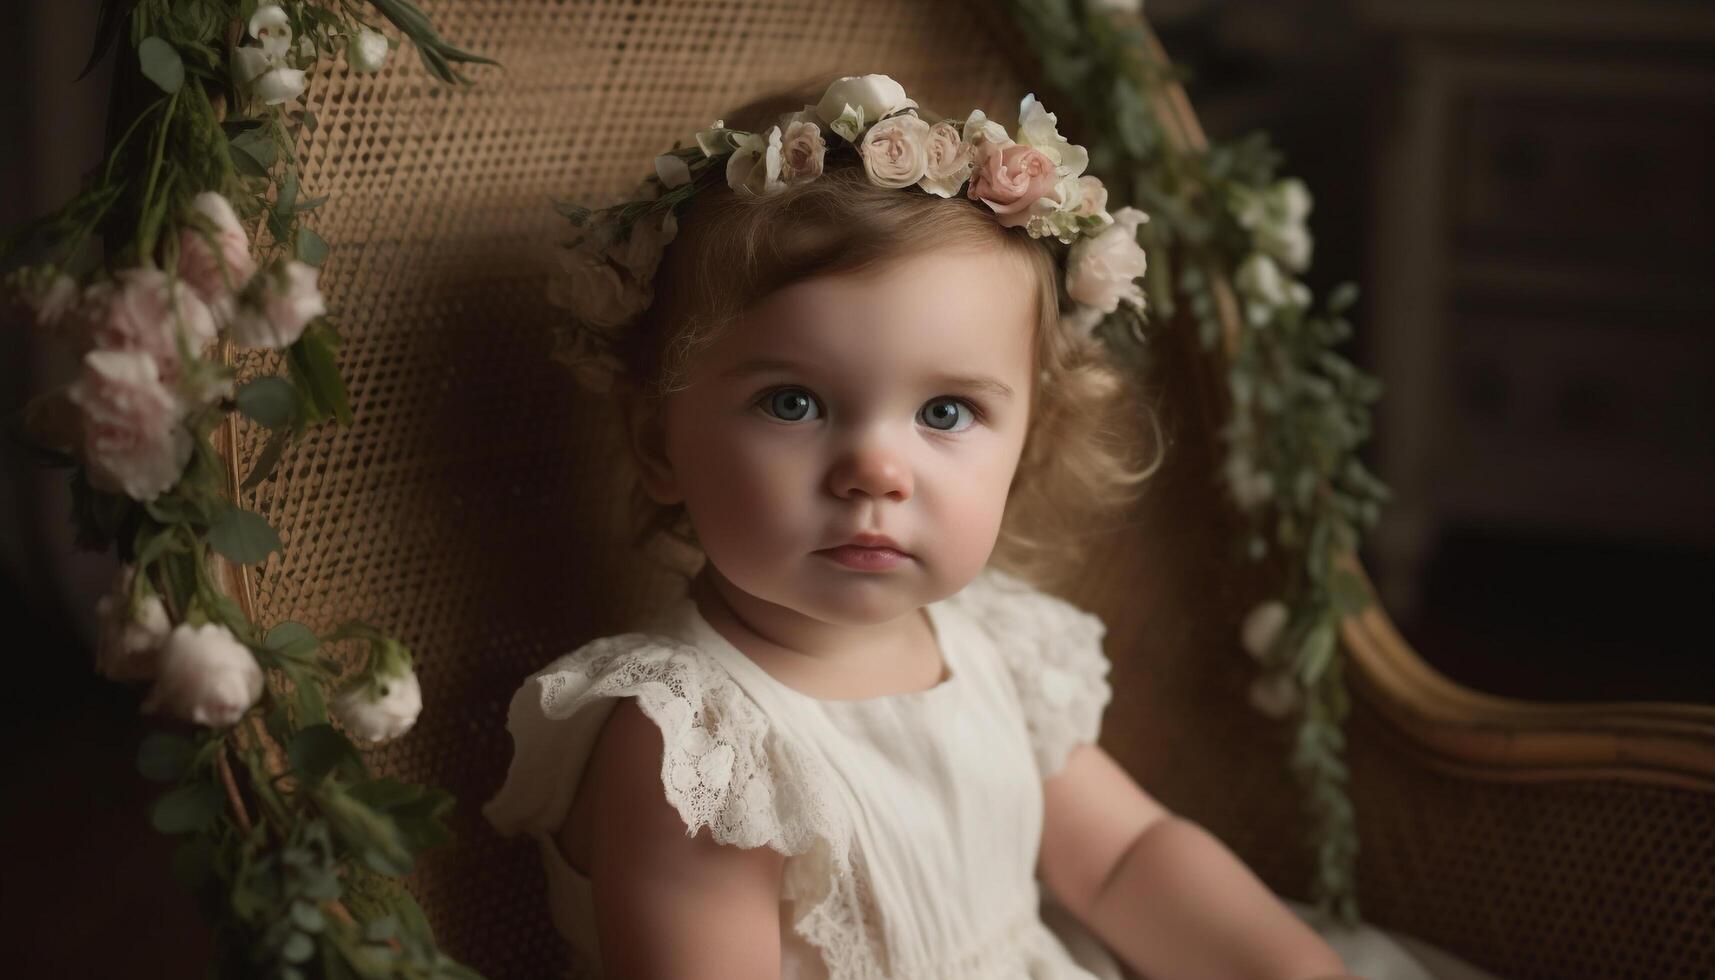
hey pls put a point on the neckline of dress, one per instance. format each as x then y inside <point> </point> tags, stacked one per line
<point>736,660</point>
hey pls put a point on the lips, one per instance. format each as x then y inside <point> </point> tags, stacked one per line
<point>872,541</point>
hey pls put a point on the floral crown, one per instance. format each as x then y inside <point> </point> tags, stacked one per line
<point>1032,179</point>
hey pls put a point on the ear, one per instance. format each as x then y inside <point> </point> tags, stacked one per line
<point>646,437</point>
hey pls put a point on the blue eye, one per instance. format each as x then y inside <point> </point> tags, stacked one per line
<point>942,414</point>
<point>788,404</point>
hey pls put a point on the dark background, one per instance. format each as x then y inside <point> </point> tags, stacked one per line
<point>1523,191</point>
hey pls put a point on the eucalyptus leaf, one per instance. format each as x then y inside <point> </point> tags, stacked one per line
<point>319,750</point>
<point>311,248</point>
<point>188,808</point>
<point>243,536</point>
<point>290,639</point>
<point>164,757</point>
<point>270,400</point>
<point>161,64</point>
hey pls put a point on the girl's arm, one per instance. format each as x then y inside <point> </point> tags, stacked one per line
<point>668,905</point>
<point>1162,892</point>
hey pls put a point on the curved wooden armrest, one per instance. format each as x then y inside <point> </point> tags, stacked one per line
<point>1485,736</point>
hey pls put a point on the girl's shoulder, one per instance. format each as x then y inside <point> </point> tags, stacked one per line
<point>724,764</point>
<point>1052,650</point>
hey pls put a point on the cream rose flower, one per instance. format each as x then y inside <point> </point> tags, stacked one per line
<point>1102,269</point>
<point>206,677</point>
<point>274,314</point>
<point>264,66</point>
<point>896,151</point>
<point>979,128</point>
<point>593,290</point>
<point>672,171</point>
<point>948,161</point>
<point>129,637</point>
<point>132,440</point>
<point>1275,695</point>
<point>801,151</point>
<point>215,262</point>
<point>367,51</point>
<point>387,710</point>
<point>1262,628</point>
<point>754,167</point>
<point>867,98</point>
<point>641,253</point>
<point>1011,179</point>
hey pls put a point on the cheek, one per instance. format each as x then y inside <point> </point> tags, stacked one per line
<point>739,485</point>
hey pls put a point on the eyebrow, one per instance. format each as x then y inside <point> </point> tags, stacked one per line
<point>967,382</point>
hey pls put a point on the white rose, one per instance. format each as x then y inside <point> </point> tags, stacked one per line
<point>206,677</point>
<point>1037,128</point>
<point>274,313</point>
<point>388,716</point>
<point>1275,695</point>
<point>869,96</point>
<point>132,440</point>
<point>1250,487</point>
<point>948,160</point>
<point>754,167</point>
<point>270,25</point>
<point>367,51</point>
<point>1262,628</point>
<point>896,151</point>
<point>1289,244</point>
<point>641,253</point>
<point>979,128</point>
<point>279,85</point>
<point>1103,268</point>
<point>128,641</point>
<point>593,290</point>
<point>672,170</point>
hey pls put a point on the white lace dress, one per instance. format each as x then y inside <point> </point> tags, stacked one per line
<point>910,822</point>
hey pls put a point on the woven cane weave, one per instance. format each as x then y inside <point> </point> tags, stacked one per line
<point>473,508</point>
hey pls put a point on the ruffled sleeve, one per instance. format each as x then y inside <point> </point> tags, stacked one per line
<point>1053,654</point>
<point>722,766</point>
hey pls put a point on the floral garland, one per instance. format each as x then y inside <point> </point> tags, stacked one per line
<point>1035,182</point>
<point>1299,410</point>
<point>294,857</point>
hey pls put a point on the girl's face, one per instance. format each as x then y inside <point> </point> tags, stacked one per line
<point>892,402</point>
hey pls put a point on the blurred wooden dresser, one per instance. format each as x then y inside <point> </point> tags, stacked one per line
<point>1543,311</point>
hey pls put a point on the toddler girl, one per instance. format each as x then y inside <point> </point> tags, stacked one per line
<point>860,744</point>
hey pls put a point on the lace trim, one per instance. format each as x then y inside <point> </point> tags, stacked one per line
<point>725,768</point>
<point>1054,652</point>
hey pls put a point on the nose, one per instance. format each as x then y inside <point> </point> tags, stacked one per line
<point>870,465</point>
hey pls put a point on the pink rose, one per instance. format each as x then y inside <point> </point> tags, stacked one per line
<point>801,151</point>
<point>132,440</point>
<point>1010,179</point>
<point>136,311</point>
<point>896,151</point>
<point>948,160</point>
<point>216,263</point>
<point>277,310</point>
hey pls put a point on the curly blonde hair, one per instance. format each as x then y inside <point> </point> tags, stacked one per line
<point>1079,464</point>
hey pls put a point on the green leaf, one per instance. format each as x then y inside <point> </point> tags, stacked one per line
<point>161,64</point>
<point>298,948</point>
<point>319,750</point>
<point>271,401</point>
<point>186,809</point>
<point>243,536</point>
<point>291,639</point>
<point>165,758</point>
<point>287,199</point>
<point>312,203</point>
<point>259,143</point>
<point>269,457</point>
<point>245,162</point>
<point>1350,596</point>
<point>193,863</point>
<point>311,248</point>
